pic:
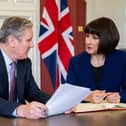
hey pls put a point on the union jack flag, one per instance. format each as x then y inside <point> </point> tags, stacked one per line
<point>55,39</point>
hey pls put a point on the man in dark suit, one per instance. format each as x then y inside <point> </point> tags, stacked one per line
<point>15,41</point>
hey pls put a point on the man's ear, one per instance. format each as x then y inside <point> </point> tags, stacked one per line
<point>12,41</point>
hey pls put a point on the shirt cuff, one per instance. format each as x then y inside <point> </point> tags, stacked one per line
<point>14,113</point>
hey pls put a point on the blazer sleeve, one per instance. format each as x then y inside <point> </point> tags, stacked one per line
<point>6,107</point>
<point>123,85</point>
<point>71,77</point>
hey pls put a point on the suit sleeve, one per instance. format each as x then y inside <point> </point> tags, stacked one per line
<point>32,92</point>
<point>7,108</point>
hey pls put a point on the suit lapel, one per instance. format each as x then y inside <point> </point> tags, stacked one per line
<point>3,77</point>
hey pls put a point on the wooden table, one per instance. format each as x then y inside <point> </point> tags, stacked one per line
<point>104,118</point>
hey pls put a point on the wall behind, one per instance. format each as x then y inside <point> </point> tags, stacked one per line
<point>116,9</point>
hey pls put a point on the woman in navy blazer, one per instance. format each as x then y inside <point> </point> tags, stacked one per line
<point>101,67</point>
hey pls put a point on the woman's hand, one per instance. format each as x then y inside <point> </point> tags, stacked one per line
<point>96,96</point>
<point>113,97</point>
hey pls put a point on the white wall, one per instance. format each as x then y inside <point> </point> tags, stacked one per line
<point>116,9</point>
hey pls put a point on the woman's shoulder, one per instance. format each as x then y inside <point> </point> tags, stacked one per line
<point>118,54</point>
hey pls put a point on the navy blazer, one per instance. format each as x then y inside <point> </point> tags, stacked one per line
<point>114,73</point>
<point>26,87</point>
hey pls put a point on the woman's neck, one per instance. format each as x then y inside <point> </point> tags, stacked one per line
<point>97,60</point>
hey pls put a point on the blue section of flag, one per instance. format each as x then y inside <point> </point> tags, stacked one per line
<point>62,79</point>
<point>63,4</point>
<point>42,30</point>
<point>50,62</point>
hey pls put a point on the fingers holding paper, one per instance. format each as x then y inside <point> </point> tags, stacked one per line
<point>33,110</point>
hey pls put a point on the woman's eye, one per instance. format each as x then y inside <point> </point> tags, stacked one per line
<point>95,37</point>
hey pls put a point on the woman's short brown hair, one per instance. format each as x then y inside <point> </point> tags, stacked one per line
<point>107,31</point>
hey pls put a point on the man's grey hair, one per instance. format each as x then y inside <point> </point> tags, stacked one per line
<point>14,26</point>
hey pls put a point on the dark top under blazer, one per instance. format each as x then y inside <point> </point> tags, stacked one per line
<point>114,73</point>
<point>26,87</point>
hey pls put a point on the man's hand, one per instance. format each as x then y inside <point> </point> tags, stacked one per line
<point>33,110</point>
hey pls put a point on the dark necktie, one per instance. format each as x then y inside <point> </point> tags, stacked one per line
<point>12,82</point>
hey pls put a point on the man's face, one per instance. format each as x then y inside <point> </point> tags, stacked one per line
<point>23,45</point>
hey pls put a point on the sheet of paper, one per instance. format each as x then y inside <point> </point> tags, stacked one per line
<point>66,97</point>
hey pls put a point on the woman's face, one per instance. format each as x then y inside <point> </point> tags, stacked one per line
<point>92,43</point>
